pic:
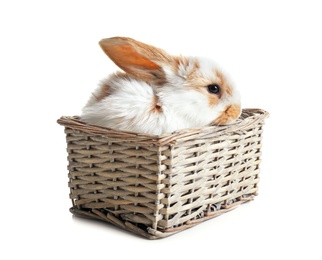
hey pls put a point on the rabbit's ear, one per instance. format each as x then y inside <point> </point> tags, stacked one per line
<point>137,59</point>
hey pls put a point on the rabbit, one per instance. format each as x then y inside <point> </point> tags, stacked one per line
<point>159,93</point>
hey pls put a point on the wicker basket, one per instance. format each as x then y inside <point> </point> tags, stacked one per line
<point>155,186</point>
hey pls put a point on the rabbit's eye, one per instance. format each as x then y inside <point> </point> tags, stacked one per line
<point>214,88</point>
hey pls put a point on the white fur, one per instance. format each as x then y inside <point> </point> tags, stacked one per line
<point>130,101</point>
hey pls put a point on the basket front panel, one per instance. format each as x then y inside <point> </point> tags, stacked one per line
<point>210,174</point>
<point>115,177</point>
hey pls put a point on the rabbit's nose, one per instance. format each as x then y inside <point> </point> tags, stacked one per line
<point>231,113</point>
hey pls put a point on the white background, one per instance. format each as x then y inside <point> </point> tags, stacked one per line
<point>50,62</point>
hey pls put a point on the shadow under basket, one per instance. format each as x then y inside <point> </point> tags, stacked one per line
<point>155,186</point>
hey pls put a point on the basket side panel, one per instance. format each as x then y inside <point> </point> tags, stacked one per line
<point>115,177</point>
<point>210,174</point>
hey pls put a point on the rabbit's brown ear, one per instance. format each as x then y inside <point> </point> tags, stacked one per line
<point>136,58</point>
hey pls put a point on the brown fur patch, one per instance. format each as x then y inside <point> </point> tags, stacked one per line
<point>104,92</point>
<point>232,112</point>
<point>185,62</point>
<point>178,60</point>
<point>176,63</point>
<point>155,107</point>
<point>105,89</point>
<point>213,100</point>
<point>223,83</point>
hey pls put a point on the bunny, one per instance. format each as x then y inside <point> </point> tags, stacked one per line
<point>159,93</point>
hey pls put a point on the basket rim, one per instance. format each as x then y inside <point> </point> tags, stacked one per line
<point>249,116</point>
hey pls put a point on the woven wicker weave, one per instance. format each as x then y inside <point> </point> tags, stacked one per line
<point>155,186</point>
